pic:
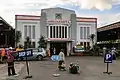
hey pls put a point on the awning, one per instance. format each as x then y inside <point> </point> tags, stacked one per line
<point>60,39</point>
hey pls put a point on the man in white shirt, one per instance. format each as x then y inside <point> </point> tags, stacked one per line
<point>61,60</point>
<point>113,53</point>
<point>61,55</point>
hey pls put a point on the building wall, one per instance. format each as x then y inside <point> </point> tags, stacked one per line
<point>49,15</point>
<point>20,22</point>
<point>66,14</point>
<point>88,28</point>
<point>73,30</point>
<point>41,23</point>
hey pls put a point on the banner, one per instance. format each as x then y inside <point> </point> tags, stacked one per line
<point>55,58</point>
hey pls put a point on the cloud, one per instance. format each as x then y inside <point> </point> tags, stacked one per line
<point>89,4</point>
<point>103,19</point>
<point>33,7</point>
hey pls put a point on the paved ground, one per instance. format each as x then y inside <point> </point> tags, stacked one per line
<point>3,70</point>
<point>92,68</point>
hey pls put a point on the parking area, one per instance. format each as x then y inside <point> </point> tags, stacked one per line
<point>92,68</point>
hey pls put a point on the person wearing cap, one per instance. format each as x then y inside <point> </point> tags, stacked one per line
<point>10,62</point>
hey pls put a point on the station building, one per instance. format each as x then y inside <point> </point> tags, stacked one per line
<point>109,35</point>
<point>61,27</point>
<point>6,34</point>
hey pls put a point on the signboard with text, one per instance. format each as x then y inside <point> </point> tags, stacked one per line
<point>24,53</point>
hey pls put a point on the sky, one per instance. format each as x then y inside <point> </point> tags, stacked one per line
<point>106,11</point>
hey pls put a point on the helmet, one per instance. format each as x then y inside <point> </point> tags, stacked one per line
<point>10,47</point>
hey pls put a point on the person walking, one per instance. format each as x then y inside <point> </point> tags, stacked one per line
<point>61,60</point>
<point>54,51</point>
<point>113,51</point>
<point>10,62</point>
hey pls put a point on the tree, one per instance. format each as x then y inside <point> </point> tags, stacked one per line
<point>27,42</point>
<point>92,37</point>
<point>17,37</point>
<point>42,42</point>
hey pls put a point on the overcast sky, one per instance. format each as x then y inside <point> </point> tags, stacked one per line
<point>107,11</point>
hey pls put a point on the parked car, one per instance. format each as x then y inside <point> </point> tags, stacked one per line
<point>38,54</point>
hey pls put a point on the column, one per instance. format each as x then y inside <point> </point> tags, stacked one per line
<point>68,48</point>
<point>86,44</point>
<point>64,31</point>
<point>48,31</point>
<point>67,32</point>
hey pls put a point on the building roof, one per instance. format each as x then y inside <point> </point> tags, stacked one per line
<point>110,26</point>
<point>86,19</point>
<point>34,17</point>
<point>3,21</point>
<point>27,17</point>
<point>59,8</point>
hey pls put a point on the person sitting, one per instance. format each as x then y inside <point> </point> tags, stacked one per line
<point>61,65</point>
<point>74,68</point>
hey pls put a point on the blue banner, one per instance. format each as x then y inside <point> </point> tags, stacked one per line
<point>24,53</point>
<point>55,58</point>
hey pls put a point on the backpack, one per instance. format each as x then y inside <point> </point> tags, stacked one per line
<point>10,57</point>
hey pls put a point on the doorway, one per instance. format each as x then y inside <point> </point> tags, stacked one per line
<point>58,46</point>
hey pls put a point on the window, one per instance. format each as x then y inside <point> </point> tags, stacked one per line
<point>58,16</point>
<point>88,32</point>
<point>33,32</point>
<point>81,32</point>
<point>59,31</point>
<point>84,44</point>
<point>51,31</point>
<point>54,32</point>
<point>40,50</point>
<point>81,43</point>
<point>88,44</point>
<point>35,50</point>
<point>25,31</point>
<point>65,32</point>
<point>30,31</point>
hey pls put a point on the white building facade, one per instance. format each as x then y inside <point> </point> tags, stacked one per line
<point>61,28</point>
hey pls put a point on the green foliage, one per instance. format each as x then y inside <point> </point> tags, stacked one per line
<point>42,42</point>
<point>27,43</point>
<point>92,36</point>
<point>17,37</point>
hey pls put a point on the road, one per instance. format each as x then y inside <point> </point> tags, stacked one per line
<point>92,68</point>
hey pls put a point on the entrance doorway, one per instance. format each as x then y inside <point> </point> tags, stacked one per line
<point>58,46</point>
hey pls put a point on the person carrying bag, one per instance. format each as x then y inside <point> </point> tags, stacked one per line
<point>10,61</point>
